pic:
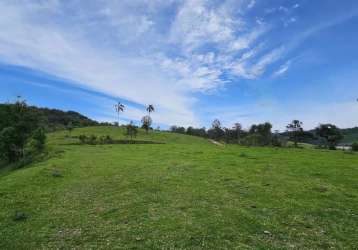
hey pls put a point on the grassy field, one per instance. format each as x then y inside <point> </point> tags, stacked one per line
<point>185,194</point>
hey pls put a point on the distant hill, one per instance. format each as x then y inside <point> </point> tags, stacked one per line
<point>54,119</point>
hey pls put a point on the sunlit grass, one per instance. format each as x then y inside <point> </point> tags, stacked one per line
<point>185,194</point>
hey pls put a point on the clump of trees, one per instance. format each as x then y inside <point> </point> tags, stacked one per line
<point>331,135</point>
<point>21,131</point>
<point>131,130</point>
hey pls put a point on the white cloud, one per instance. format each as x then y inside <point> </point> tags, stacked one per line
<point>136,50</point>
<point>282,70</point>
<point>245,41</point>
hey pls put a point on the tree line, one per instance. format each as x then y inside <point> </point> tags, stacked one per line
<point>324,135</point>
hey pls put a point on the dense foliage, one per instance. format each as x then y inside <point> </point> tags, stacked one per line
<point>20,126</point>
<point>54,119</point>
<point>330,133</point>
<point>146,123</point>
<point>355,146</point>
<point>131,130</point>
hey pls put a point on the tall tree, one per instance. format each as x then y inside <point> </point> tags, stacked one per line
<point>150,109</point>
<point>238,128</point>
<point>119,107</point>
<point>131,130</point>
<point>330,133</point>
<point>295,130</point>
<point>146,123</point>
<point>216,132</point>
<point>69,128</point>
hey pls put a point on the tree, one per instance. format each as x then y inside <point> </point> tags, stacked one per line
<point>17,125</point>
<point>260,134</point>
<point>69,128</point>
<point>131,130</point>
<point>330,133</point>
<point>39,137</point>
<point>295,130</point>
<point>119,107</point>
<point>238,128</point>
<point>216,132</point>
<point>150,109</point>
<point>146,123</point>
<point>176,129</point>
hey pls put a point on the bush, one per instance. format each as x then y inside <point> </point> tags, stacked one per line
<point>92,139</point>
<point>83,139</point>
<point>39,138</point>
<point>56,173</point>
<point>355,147</point>
<point>19,216</point>
<point>108,140</point>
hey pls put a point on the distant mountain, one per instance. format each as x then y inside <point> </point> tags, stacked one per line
<point>54,119</point>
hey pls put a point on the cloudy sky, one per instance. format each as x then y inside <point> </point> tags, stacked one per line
<point>245,61</point>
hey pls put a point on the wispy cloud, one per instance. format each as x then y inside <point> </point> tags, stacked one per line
<point>282,70</point>
<point>158,52</point>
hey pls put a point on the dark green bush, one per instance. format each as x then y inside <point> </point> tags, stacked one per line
<point>56,173</point>
<point>39,137</point>
<point>83,139</point>
<point>92,139</point>
<point>355,147</point>
<point>19,216</point>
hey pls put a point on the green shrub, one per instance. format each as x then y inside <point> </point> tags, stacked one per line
<point>56,173</point>
<point>83,139</point>
<point>39,137</point>
<point>355,147</point>
<point>108,140</point>
<point>92,139</point>
<point>19,216</point>
<point>244,155</point>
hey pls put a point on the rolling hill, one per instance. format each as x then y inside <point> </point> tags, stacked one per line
<point>54,119</point>
<point>186,193</point>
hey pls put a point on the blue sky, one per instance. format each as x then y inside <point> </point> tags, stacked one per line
<point>245,61</point>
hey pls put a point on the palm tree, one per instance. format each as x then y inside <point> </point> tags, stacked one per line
<point>119,107</point>
<point>150,109</point>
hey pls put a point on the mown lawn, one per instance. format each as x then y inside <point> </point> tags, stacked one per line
<point>185,194</point>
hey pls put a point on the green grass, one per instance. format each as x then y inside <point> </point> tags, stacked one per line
<point>185,194</point>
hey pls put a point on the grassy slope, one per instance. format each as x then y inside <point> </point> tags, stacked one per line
<point>187,193</point>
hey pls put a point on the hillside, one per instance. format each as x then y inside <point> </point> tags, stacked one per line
<point>184,194</point>
<point>53,119</point>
